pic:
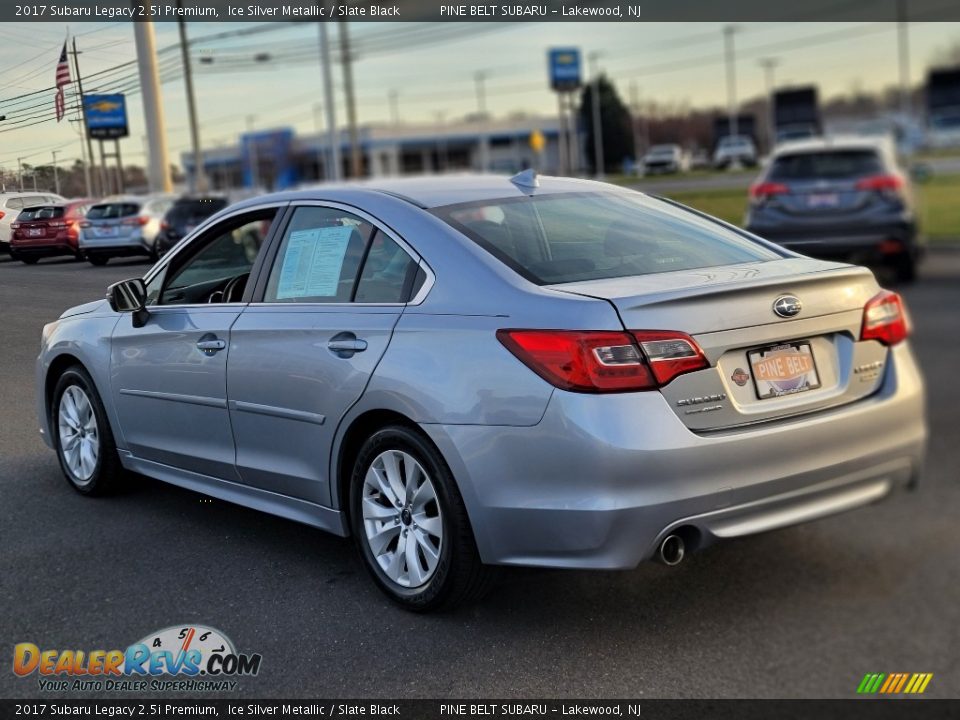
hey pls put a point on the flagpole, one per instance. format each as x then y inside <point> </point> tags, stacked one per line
<point>83,114</point>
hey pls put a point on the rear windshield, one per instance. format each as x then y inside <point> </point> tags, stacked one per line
<point>112,210</point>
<point>829,165</point>
<point>587,236</point>
<point>192,211</point>
<point>48,212</point>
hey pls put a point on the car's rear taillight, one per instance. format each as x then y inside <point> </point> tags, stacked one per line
<point>885,319</point>
<point>138,220</point>
<point>763,191</point>
<point>58,225</point>
<point>2,213</point>
<point>604,361</point>
<point>880,183</point>
<point>670,353</point>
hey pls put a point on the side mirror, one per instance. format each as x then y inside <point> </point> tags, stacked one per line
<point>129,296</point>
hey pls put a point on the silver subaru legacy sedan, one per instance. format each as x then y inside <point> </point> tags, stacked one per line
<point>464,372</point>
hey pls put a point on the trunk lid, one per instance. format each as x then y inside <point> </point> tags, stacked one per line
<point>762,366</point>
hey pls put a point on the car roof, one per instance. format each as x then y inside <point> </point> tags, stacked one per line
<point>439,190</point>
<point>834,142</point>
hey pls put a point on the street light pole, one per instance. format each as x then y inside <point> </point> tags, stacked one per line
<point>198,181</point>
<point>903,49</point>
<point>19,174</point>
<point>769,65</point>
<point>597,119</point>
<point>56,173</point>
<point>728,33</point>
<point>254,158</point>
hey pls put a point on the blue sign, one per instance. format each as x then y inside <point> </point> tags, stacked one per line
<point>106,116</point>
<point>564,69</point>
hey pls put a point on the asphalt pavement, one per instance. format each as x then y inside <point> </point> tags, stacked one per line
<point>801,612</point>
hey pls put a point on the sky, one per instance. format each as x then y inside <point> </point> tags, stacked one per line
<point>430,70</point>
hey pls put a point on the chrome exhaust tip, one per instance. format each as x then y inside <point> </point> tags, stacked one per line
<point>672,550</point>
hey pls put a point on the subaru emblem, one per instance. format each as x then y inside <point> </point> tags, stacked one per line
<point>787,306</point>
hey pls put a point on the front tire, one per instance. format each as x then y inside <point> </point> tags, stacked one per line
<point>410,524</point>
<point>82,436</point>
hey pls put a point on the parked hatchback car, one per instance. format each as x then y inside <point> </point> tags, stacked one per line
<point>123,226</point>
<point>10,206</point>
<point>48,230</point>
<point>184,215</point>
<point>471,371</point>
<point>838,198</point>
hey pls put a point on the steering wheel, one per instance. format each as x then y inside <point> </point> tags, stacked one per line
<point>233,290</point>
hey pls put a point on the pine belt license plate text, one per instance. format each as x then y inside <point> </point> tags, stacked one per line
<point>815,200</point>
<point>783,369</point>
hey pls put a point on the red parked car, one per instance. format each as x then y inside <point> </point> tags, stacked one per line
<point>47,230</point>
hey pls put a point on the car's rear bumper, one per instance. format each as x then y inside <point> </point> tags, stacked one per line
<point>116,247</point>
<point>841,240</point>
<point>603,478</point>
<point>43,248</point>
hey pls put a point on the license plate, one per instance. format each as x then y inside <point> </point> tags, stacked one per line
<point>105,231</point>
<point>816,200</point>
<point>783,369</point>
<point>35,232</point>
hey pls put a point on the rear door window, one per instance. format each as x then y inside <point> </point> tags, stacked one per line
<point>111,211</point>
<point>587,236</point>
<point>830,165</point>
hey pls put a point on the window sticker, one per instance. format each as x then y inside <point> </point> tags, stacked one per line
<point>313,262</point>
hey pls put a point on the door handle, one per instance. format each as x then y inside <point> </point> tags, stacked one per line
<point>210,344</point>
<point>345,344</point>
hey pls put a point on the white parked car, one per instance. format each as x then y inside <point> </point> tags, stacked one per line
<point>669,158</point>
<point>735,149</point>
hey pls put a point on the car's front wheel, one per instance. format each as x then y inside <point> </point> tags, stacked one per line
<point>82,436</point>
<point>410,524</point>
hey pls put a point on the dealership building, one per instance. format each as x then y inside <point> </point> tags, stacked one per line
<point>278,158</point>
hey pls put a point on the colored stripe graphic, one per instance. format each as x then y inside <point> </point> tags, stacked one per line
<point>894,683</point>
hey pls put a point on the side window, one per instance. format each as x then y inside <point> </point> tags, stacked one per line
<point>216,266</point>
<point>319,257</point>
<point>388,273</point>
<point>15,203</point>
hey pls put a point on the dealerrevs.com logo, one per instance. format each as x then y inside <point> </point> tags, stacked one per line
<point>186,658</point>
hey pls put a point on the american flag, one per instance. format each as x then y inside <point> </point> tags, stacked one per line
<point>63,78</point>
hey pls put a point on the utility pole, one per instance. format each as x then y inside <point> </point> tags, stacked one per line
<point>333,164</point>
<point>19,174</point>
<point>393,97</point>
<point>56,174</point>
<point>638,144</point>
<point>903,50</point>
<point>480,79</point>
<point>91,189</point>
<point>769,65</point>
<point>728,32</point>
<point>158,167</point>
<point>198,182</point>
<point>597,120</point>
<point>356,161</point>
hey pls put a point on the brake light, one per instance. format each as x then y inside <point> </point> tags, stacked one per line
<point>763,191</point>
<point>137,220</point>
<point>58,225</point>
<point>670,353</point>
<point>881,183</point>
<point>885,319</point>
<point>2,213</point>
<point>604,361</point>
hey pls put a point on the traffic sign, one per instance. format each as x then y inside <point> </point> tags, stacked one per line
<point>564,69</point>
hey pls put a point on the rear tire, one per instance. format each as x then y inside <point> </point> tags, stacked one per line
<point>81,435</point>
<point>410,524</point>
<point>905,267</point>
<point>98,260</point>
<point>27,260</point>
